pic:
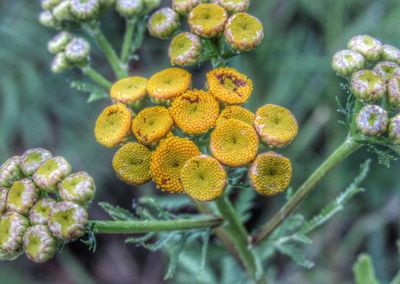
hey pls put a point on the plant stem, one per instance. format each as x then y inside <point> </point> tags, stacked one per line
<point>96,77</point>
<point>138,227</point>
<point>128,39</point>
<point>118,67</point>
<point>349,146</point>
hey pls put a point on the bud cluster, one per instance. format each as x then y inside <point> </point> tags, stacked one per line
<point>224,19</point>
<point>373,71</point>
<point>42,205</point>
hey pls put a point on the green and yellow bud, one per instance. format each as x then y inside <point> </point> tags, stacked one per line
<point>394,92</point>
<point>78,187</point>
<point>62,11</point>
<point>32,159</point>
<point>10,171</point>
<point>39,213</point>
<point>12,230</point>
<point>85,10</point>
<point>47,19</point>
<point>207,20</point>
<point>22,196</point>
<point>234,6</point>
<point>368,86</point>
<point>387,70</point>
<point>77,50</point>
<point>346,62</point>
<point>129,8</point>
<point>68,221</point>
<point>60,63</point>
<point>51,173</point>
<point>183,7</point>
<point>185,49</point>
<point>368,46</point>
<point>372,120</point>
<point>59,42</point>
<point>39,244</point>
<point>394,129</point>
<point>163,23</point>
<point>391,53</point>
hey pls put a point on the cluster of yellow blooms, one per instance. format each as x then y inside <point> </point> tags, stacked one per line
<point>186,139</point>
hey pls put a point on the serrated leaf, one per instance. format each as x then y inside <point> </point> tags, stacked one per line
<point>140,240</point>
<point>295,254</point>
<point>302,239</point>
<point>95,92</point>
<point>363,270</point>
<point>291,224</point>
<point>116,212</point>
<point>174,259</point>
<point>244,204</point>
<point>161,242</point>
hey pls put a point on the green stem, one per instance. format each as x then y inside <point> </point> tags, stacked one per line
<point>119,68</point>
<point>349,146</point>
<point>128,39</point>
<point>96,77</point>
<point>148,226</point>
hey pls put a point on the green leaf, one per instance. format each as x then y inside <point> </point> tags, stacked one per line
<point>116,212</point>
<point>95,92</point>
<point>245,203</point>
<point>363,270</point>
<point>296,254</point>
<point>140,240</point>
<point>176,251</point>
<point>204,249</point>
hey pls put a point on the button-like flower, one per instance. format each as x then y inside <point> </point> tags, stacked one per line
<point>12,230</point>
<point>10,171</point>
<point>394,92</point>
<point>39,244</point>
<point>387,70</point>
<point>391,53</point>
<point>207,20</point>
<point>183,7</point>
<point>185,49</point>
<point>131,163</point>
<point>195,112</point>
<point>77,187</point>
<point>163,23</point>
<point>129,8</point>
<point>22,196</point>
<point>234,143</point>
<point>77,50</point>
<point>51,173</point>
<point>59,42</point>
<point>234,6</point>
<point>270,173</point>
<point>368,86</point>
<point>368,46</point>
<point>243,31</point>
<point>236,112</point>
<point>68,221</point>
<point>85,10</point>
<point>60,63</point>
<point>229,86</point>
<point>203,178</point>
<point>372,120</point>
<point>346,62</point>
<point>276,125</point>
<point>32,159</point>
<point>167,161</point>
<point>113,125</point>
<point>39,213</point>
<point>394,129</point>
<point>129,91</point>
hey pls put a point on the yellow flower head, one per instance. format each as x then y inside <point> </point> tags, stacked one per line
<point>236,112</point>
<point>195,111</point>
<point>203,178</point>
<point>131,163</point>
<point>276,125</point>
<point>169,83</point>
<point>167,161</point>
<point>113,125</point>
<point>229,86</point>
<point>207,20</point>
<point>270,173</point>
<point>152,124</point>
<point>129,90</point>
<point>234,143</point>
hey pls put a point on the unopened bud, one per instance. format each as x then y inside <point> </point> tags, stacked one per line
<point>394,129</point>
<point>234,6</point>
<point>368,86</point>
<point>10,171</point>
<point>78,187</point>
<point>77,50</point>
<point>183,7</point>
<point>185,49</point>
<point>346,62</point>
<point>368,46</point>
<point>394,92</point>
<point>387,70</point>
<point>59,63</point>
<point>49,4</point>
<point>22,196</point>
<point>47,19</point>
<point>391,53</point>
<point>62,11</point>
<point>85,9</point>
<point>39,244</point>
<point>59,42</point>
<point>129,8</point>
<point>12,230</point>
<point>39,213</point>
<point>32,159</point>
<point>207,20</point>
<point>163,23</point>
<point>372,120</point>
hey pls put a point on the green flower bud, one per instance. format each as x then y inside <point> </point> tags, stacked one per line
<point>85,10</point>
<point>32,159</point>
<point>49,4</point>
<point>151,4</point>
<point>3,200</point>
<point>185,49</point>
<point>129,8</point>
<point>234,6</point>
<point>77,50</point>
<point>68,221</point>
<point>10,171</point>
<point>394,92</point>
<point>394,129</point>
<point>60,63</point>
<point>391,53</point>
<point>183,7</point>
<point>78,187</point>
<point>59,42</point>
<point>39,244</point>
<point>372,120</point>
<point>62,11</point>
<point>163,23</point>
<point>387,70</point>
<point>22,196</point>
<point>39,213</point>
<point>369,47</point>
<point>47,19</point>
<point>51,173</point>
<point>243,31</point>
<point>368,86</point>
<point>346,62</point>
<point>207,20</point>
<point>12,230</point>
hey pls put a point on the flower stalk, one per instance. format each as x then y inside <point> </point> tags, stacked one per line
<point>96,77</point>
<point>128,39</point>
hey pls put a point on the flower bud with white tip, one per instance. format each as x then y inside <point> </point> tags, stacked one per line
<point>387,70</point>
<point>10,171</point>
<point>39,244</point>
<point>234,6</point>
<point>32,159</point>
<point>62,11</point>
<point>346,62</point>
<point>78,50</point>
<point>22,196</point>
<point>394,129</point>
<point>59,42</point>
<point>12,230</point>
<point>372,120</point>
<point>49,4</point>
<point>368,86</point>
<point>78,187</point>
<point>185,49</point>
<point>85,10</point>
<point>51,173</point>
<point>394,92</point>
<point>391,53</point>
<point>368,46</point>
<point>129,8</point>
<point>68,221</point>
<point>163,23</point>
<point>47,19</point>
<point>39,213</point>
<point>183,7</point>
<point>60,63</point>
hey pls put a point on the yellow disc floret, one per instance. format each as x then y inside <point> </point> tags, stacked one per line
<point>152,124</point>
<point>203,178</point>
<point>234,143</point>
<point>236,112</point>
<point>276,125</point>
<point>270,173</point>
<point>167,161</point>
<point>113,125</point>
<point>169,83</point>
<point>195,111</point>
<point>129,90</point>
<point>131,163</point>
<point>207,20</point>
<point>229,86</point>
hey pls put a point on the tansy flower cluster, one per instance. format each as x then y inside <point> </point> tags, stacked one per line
<point>42,205</point>
<point>373,71</point>
<point>223,19</point>
<point>187,140</point>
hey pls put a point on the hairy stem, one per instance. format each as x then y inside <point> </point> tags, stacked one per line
<point>349,146</point>
<point>128,39</point>
<point>97,77</point>
<point>138,227</point>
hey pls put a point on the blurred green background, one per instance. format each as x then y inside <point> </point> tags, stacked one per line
<point>290,68</point>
